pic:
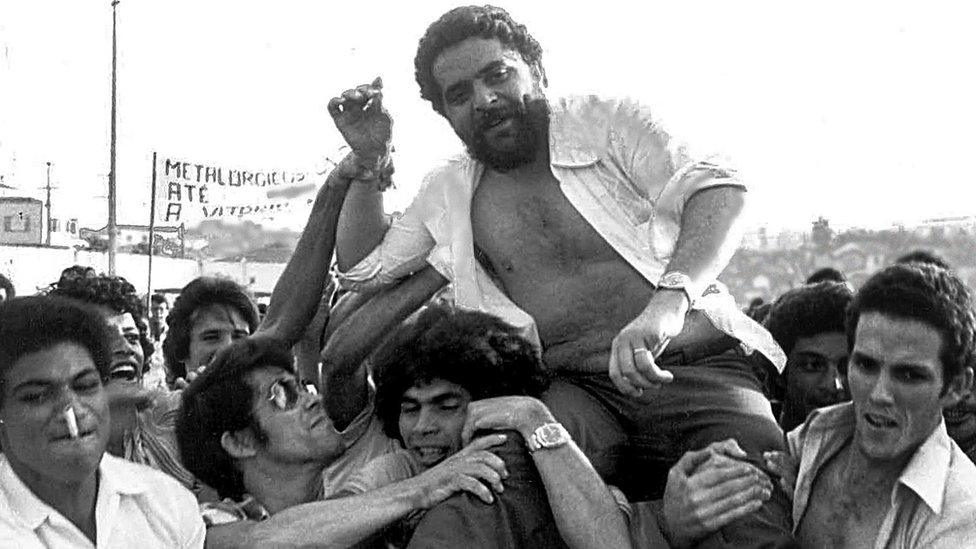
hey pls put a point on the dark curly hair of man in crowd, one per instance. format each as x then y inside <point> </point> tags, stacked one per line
<point>826,274</point>
<point>462,23</point>
<point>37,323</point>
<point>221,400</point>
<point>924,256</point>
<point>114,293</point>
<point>477,351</point>
<point>199,293</point>
<point>807,311</point>
<point>929,294</point>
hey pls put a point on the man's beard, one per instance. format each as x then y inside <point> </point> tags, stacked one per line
<point>531,129</point>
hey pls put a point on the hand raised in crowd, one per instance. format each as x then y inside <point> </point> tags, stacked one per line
<point>363,122</point>
<point>124,397</point>
<point>468,471</point>
<point>710,488</point>
<point>632,368</point>
<point>183,383</point>
<point>521,413</point>
<point>786,466</point>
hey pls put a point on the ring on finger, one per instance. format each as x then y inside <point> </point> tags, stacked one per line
<point>640,350</point>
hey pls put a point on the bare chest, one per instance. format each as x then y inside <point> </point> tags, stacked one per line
<point>554,265</point>
<point>530,225</point>
<point>843,512</point>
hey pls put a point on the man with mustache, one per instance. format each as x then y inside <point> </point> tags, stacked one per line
<point>881,471</point>
<point>808,323</point>
<point>142,420</point>
<point>58,485</point>
<point>585,224</point>
<point>251,429</point>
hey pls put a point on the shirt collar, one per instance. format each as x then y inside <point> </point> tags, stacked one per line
<point>927,471</point>
<point>114,476</point>
<point>120,476</point>
<point>31,511</point>
<point>568,143</point>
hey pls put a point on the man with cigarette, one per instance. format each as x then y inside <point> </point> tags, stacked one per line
<point>58,485</point>
<point>142,418</point>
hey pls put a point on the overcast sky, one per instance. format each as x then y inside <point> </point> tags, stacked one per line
<point>862,112</point>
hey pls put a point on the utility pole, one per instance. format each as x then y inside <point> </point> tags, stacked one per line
<point>47,239</point>
<point>111,174</point>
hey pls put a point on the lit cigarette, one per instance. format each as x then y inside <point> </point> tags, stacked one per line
<point>71,420</point>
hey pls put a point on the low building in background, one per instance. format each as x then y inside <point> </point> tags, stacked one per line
<point>21,220</point>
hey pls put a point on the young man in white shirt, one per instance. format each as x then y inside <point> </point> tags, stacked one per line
<point>58,485</point>
<point>881,471</point>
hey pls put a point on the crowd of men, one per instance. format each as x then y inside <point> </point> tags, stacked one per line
<point>536,353</point>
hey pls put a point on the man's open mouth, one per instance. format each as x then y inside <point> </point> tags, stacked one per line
<point>126,371</point>
<point>879,421</point>
<point>494,123</point>
<point>495,118</point>
<point>429,454</point>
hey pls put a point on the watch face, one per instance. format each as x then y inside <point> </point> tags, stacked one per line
<point>550,435</point>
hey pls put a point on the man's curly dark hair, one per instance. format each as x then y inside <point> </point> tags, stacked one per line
<point>478,351</point>
<point>201,292</point>
<point>36,323</point>
<point>807,311</point>
<point>112,292</point>
<point>927,293</point>
<point>462,23</point>
<point>826,274</point>
<point>924,256</point>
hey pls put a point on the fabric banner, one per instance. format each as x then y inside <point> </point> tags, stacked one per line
<point>190,192</point>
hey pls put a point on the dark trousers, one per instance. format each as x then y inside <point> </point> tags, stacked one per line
<point>520,517</point>
<point>633,442</point>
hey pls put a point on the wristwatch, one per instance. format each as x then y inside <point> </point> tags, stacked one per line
<point>677,280</point>
<point>549,435</point>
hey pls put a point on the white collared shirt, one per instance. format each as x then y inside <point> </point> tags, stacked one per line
<point>933,504</point>
<point>625,175</point>
<point>136,507</point>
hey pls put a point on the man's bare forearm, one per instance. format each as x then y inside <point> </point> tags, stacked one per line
<point>584,509</point>
<point>362,225</point>
<point>331,523</point>
<point>358,335</point>
<point>298,291</point>
<point>711,230</point>
<point>586,514</point>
